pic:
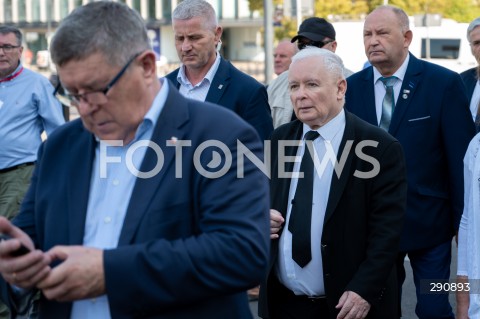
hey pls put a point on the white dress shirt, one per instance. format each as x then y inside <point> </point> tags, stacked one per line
<point>309,279</point>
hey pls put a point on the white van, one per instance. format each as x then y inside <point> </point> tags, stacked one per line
<point>445,44</point>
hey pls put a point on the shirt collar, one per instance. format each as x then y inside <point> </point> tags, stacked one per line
<point>151,117</point>
<point>329,130</point>
<point>400,73</point>
<point>17,69</point>
<point>183,80</point>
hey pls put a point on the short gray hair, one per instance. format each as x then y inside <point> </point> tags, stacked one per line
<point>332,62</point>
<point>5,29</point>
<point>188,9</point>
<point>110,28</point>
<point>475,23</point>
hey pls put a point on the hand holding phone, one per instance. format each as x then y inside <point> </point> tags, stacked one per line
<point>20,251</point>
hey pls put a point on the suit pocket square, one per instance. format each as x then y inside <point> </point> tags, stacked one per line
<point>419,119</point>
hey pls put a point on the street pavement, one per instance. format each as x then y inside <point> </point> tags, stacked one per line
<point>408,294</point>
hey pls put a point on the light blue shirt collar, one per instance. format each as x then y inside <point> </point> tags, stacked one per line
<point>151,117</point>
<point>400,73</point>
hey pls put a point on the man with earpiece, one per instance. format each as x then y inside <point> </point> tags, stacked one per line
<point>204,75</point>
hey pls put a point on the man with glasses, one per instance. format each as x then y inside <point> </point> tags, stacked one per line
<point>27,108</point>
<point>316,32</point>
<point>128,216</point>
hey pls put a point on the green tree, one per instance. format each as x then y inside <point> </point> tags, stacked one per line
<point>287,30</point>
<point>461,10</point>
<point>255,5</point>
<point>344,9</point>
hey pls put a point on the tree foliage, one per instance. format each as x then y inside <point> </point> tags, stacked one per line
<point>459,10</point>
<point>255,5</point>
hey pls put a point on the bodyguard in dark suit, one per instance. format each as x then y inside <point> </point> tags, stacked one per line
<point>431,120</point>
<point>206,76</point>
<point>470,77</point>
<point>355,215</point>
<point>126,217</point>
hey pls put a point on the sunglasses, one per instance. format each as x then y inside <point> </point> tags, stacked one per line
<point>318,44</point>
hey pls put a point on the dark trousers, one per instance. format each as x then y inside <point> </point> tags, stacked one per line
<point>284,304</point>
<point>431,265</point>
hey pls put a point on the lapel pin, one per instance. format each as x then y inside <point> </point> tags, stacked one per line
<point>220,86</point>
<point>173,140</point>
<point>405,94</point>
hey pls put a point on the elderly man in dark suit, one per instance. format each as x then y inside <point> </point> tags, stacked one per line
<point>425,107</point>
<point>470,76</point>
<point>335,255</point>
<point>126,217</point>
<point>206,76</point>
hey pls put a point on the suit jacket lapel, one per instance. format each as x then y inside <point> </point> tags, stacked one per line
<point>470,82</point>
<point>174,115</point>
<point>81,168</point>
<point>369,99</point>
<point>409,86</point>
<point>339,183</point>
<point>220,82</point>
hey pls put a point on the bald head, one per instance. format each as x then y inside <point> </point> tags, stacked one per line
<point>282,56</point>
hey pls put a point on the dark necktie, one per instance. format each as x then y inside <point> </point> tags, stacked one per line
<point>388,103</point>
<point>301,215</point>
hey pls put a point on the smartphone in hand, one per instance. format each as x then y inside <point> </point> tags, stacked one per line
<point>20,251</point>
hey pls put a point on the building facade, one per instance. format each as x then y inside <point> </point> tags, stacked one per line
<point>242,38</point>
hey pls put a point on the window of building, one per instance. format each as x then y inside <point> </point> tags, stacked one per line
<point>35,10</point>
<point>136,5</point>
<point>7,7</point>
<point>22,13</point>
<point>151,10</point>
<point>167,9</point>
<point>441,48</point>
<point>63,8</point>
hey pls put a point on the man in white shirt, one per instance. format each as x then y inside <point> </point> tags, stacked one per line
<point>344,266</point>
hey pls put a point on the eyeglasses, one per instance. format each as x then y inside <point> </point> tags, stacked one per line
<point>93,97</point>
<point>9,48</point>
<point>318,44</point>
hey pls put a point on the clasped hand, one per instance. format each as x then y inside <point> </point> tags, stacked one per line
<point>79,275</point>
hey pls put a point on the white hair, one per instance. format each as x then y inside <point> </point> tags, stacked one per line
<point>332,62</point>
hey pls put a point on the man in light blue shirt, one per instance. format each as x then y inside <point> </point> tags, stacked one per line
<point>27,108</point>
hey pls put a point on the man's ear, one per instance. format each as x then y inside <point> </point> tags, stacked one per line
<point>218,34</point>
<point>148,62</point>
<point>408,36</point>
<point>341,88</point>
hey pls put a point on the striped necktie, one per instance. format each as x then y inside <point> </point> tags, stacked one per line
<point>388,104</point>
